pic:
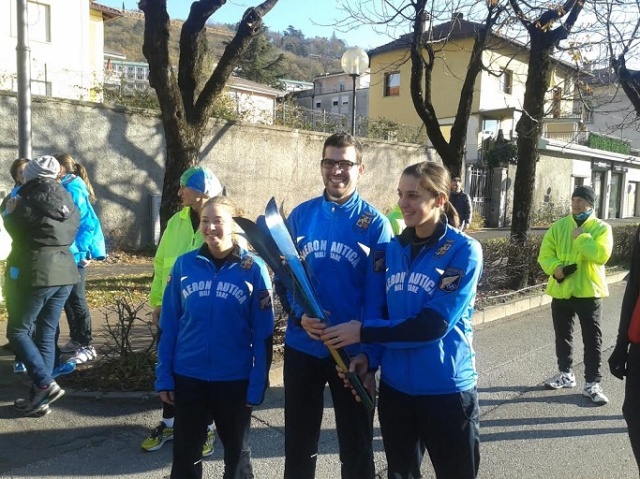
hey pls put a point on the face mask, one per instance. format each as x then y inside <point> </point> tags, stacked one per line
<point>582,216</point>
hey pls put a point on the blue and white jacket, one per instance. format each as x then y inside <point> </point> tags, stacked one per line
<point>427,342</point>
<point>89,243</point>
<point>344,247</point>
<point>217,324</point>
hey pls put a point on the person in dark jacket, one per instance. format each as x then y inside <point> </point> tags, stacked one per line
<point>42,221</point>
<point>625,358</point>
<point>461,202</point>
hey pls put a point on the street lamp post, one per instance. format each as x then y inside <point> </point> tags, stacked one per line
<point>355,62</point>
<point>23,55</point>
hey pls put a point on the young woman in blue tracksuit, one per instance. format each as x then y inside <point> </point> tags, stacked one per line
<point>428,385</point>
<point>215,351</point>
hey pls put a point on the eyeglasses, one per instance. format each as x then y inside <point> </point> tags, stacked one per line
<point>341,164</point>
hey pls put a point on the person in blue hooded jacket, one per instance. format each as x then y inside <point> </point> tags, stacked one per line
<point>89,245</point>
<point>216,345</point>
<point>428,392</point>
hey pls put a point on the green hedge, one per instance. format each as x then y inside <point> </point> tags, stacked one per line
<point>607,143</point>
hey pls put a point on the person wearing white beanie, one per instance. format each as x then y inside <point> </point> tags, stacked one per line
<point>41,167</point>
<point>42,221</point>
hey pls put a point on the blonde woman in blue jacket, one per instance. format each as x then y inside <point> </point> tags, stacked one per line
<point>216,345</point>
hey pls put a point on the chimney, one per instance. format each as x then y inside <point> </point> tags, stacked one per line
<point>458,16</point>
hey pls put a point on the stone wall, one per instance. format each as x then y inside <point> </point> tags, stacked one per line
<point>123,151</point>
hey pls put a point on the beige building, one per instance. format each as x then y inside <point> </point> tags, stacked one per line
<point>66,40</point>
<point>498,92</point>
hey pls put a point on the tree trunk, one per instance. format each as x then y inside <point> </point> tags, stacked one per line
<point>529,130</point>
<point>183,152</point>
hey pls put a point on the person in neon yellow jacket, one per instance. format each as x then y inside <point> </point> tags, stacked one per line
<point>396,219</point>
<point>181,235</point>
<point>573,253</point>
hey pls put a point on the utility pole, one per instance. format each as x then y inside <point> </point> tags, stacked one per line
<point>23,55</point>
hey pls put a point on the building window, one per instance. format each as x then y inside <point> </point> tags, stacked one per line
<point>506,82</point>
<point>341,86</point>
<point>392,84</point>
<point>39,21</point>
<point>334,102</point>
<point>345,100</point>
<point>318,104</point>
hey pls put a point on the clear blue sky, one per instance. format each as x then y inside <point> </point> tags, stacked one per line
<point>309,16</point>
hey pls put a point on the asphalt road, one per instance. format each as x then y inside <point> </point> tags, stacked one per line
<point>526,431</point>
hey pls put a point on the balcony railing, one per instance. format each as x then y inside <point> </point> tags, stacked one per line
<point>574,137</point>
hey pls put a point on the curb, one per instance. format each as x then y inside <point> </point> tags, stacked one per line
<point>492,313</point>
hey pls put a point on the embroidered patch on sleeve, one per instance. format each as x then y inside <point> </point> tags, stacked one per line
<point>363,222</point>
<point>247,262</point>
<point>379,261</point>
<point>444,248</point>
<point>265,299</point>
<point>451,280</point>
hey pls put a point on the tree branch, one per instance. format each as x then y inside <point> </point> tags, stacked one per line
<point>249,27</point>
<point>629,80</point>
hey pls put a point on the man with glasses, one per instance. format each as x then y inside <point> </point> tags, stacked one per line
<point>342,239</point>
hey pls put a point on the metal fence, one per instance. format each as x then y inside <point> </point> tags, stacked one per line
<point>480,189</point>
<point>295,116</point>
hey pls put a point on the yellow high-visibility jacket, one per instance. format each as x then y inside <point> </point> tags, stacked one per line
<point>178,238</point>
<point>590,251</point>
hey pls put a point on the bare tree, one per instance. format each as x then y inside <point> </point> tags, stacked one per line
<point>544,37</point>
<point>425,47</point>
<point>186,102</point>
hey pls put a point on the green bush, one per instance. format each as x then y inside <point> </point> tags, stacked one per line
<point>546,213</point>
<point>624,237</point>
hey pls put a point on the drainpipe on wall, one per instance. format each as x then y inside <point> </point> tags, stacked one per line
<point>23,55</point>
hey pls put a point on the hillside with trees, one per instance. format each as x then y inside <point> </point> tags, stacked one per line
<point>273,55</point>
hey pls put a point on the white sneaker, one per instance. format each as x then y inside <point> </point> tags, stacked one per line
<point>594,391</point>
<point>562,380</point>
<point>84,354</point>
